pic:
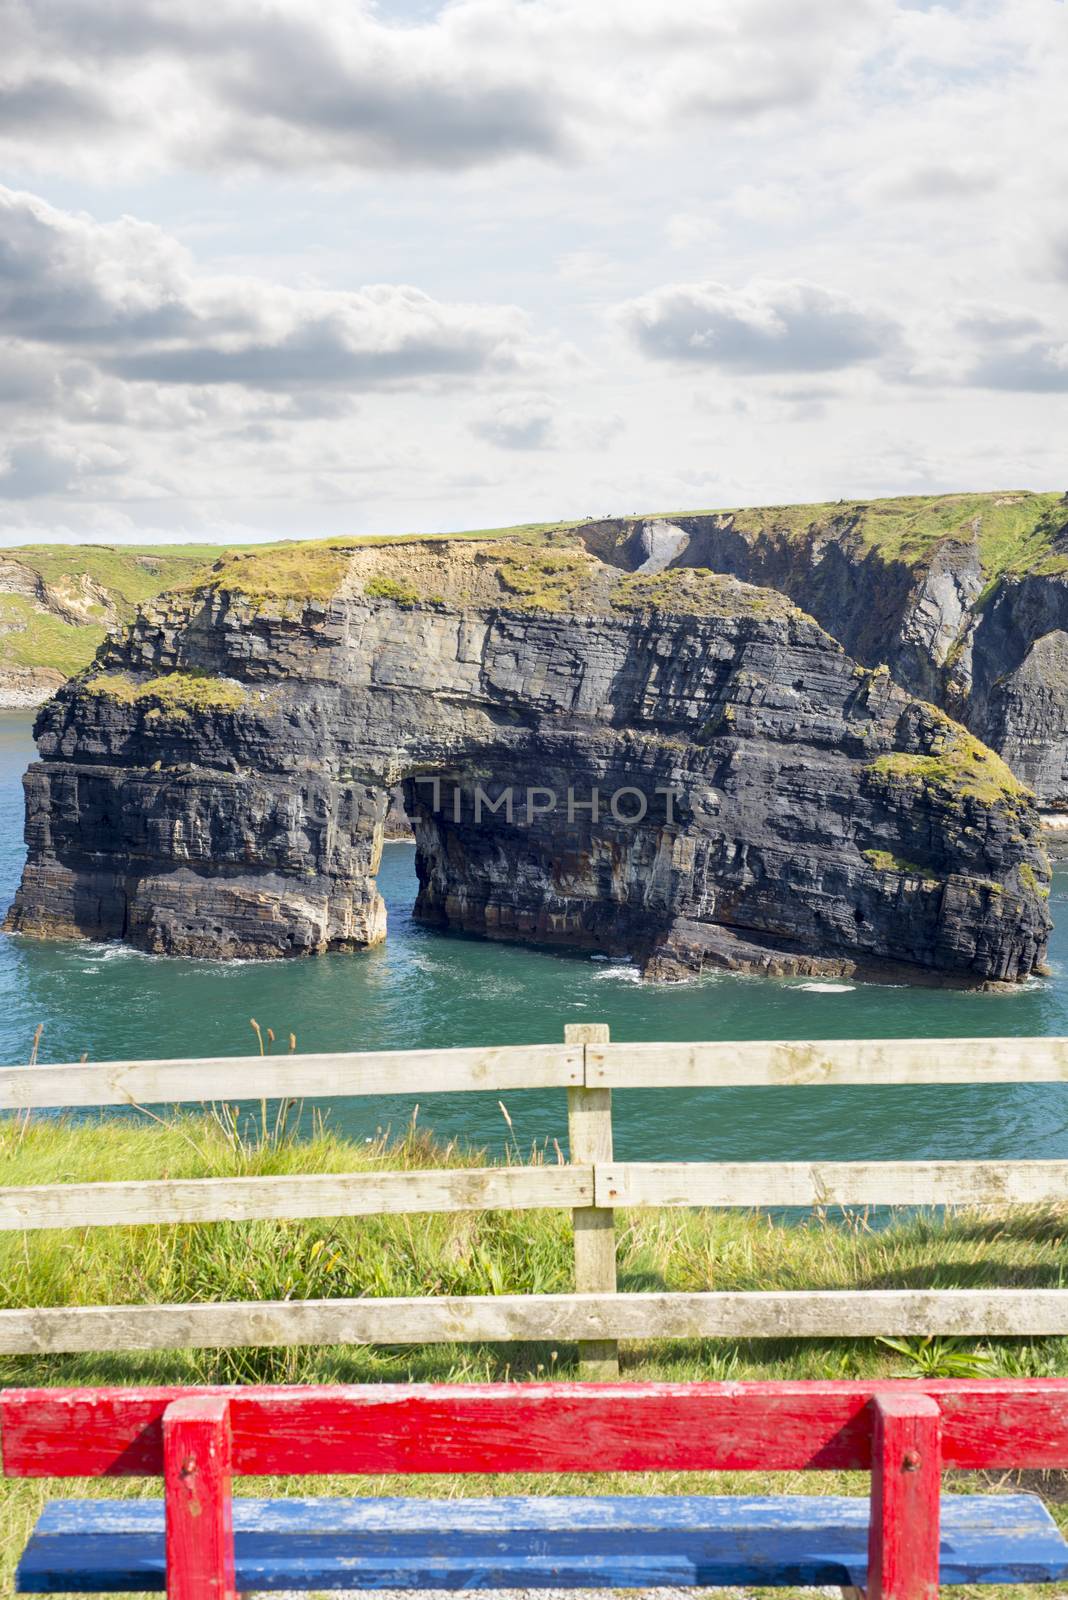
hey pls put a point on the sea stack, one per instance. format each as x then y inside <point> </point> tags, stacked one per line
<point>667,763</point>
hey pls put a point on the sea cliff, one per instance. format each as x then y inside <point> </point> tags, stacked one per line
<point>728,785</point>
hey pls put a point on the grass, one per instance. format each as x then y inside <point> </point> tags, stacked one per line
<point>310,570</point>
<point>886,861</point>
<point>173,692</point>
<point>698,592</point>
<point>130,573</point>
<point>546,579</point>
<point>964,768</point>
<point>473,1253</point>
<point>30,637</point>
<point>1015,530</point>
<point>383,588</point>
<point>33,637</point>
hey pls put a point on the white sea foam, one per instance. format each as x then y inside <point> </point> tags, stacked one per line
<point>827,988</point>
<point>621,973</point>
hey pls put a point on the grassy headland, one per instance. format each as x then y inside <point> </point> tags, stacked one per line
<point>476,1253</point>
<point>1016,531</point>
<point>56,600</point>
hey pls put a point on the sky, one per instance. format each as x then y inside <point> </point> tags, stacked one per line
<point>271,269</point>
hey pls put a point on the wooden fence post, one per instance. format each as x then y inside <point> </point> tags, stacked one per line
<point>589,1133</point>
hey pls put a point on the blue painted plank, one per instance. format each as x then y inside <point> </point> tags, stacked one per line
<point>562,1542</point>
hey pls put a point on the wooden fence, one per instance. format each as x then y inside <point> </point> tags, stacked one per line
<point>592,1185</point>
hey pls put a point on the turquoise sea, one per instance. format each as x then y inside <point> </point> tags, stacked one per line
<point>424,989</point>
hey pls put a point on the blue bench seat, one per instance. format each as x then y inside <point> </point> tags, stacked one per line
<point>561,1542</point>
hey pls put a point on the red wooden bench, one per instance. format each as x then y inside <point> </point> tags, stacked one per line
<point>206,1546</point>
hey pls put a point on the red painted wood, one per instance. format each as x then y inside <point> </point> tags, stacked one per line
<point>906,1481</point>
<point>534,1427</point>
<point>199,1507</point>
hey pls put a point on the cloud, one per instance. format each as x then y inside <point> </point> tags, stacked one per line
<point>984,322</point>
<point>526,424</point>
<point>537,422</point>
<point>1011,349</point>
<point>49,106</point>
<point>925,180</point>
<point>1058,254</point>
<point>128,299</point>
<point>1039,365</point>
<point>35,469</point>
<point>341,85</point>
<point>767,327</point>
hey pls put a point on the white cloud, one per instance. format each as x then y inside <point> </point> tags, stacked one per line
<point>34,468</point>
<point>688,228</point>
<point>765,327</point>
<point>853,213</point>
<point>1040,365</point>
<point>923,179</point>
<point>522,424</point>
<point>539,422</point>
<point>129,300</point>
<point>341,84</point>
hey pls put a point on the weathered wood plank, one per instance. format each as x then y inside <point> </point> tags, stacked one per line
<point>555,1542</point>
<point>797,1313</point>
<point>906,1485</point>
<point>845,1183</point>
<point>123,1083</point>
<point>884,1061</point>
<point>549,1427</point>
<point>343,1194</point>
<point>589,1130</point>
<point>199,1507</point>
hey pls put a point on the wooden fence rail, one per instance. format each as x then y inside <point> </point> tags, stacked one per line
<point>586,1318</point>
<point>541,1066</point>
<point>592,1185</point>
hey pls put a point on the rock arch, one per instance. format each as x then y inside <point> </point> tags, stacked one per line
<point>217,785</point>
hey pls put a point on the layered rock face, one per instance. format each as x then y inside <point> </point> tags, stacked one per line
<point>674,766</point>
<point>939,591</point>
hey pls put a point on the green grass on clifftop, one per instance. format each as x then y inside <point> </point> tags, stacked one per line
<point>130,573</point>
<point>307,571</point>
<point>1015,531</point>
<point>34,632</point>
<point>30,637</point>
<point>171,691</point>
<point>546,579</point>
<point>697,592</point>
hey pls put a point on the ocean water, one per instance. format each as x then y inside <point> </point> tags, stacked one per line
<point>424,988</point>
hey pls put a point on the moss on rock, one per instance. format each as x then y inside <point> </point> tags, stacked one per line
<point>177,692</point>
<point>382,587</point>
<point>964,768</point>
<point>546,579</point>
<point>698,592</point>
<point>886,861</point>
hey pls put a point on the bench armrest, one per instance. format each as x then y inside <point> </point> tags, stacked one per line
<point>199,1500</point>
<point>906,1483</point>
